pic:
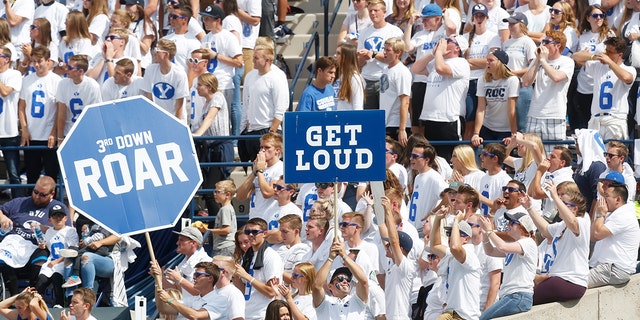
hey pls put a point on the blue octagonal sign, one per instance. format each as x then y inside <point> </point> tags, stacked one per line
<point>130,166</point>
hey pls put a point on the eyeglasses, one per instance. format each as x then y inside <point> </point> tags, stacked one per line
<point>278,187</point>
<point>175,16</point>
<point>111,37</point>
<point>347,224</point>
<point>548,41</point>
<point>342,279</point>
<point>569,204</point>
<point>33,27</point>
<point>296,275</point>
<point>416,156</point>
<point>253,232</point>
<point>390,152</point>
<point>448,233</point>
<point>473,225</point>
<point>610,155</point>
<point>221,269</point>
<point>196,60</point>
<point>324,185</point>
<point>487,154</point>
<point>510,189</point>
<point>219,191</point>
<point>432,256</point>
<point>71,68</point>
<point>555,11</point>
<point>156,50</point>
<point>40,194</point>
<point>598,15</point>
<point>197,275</point>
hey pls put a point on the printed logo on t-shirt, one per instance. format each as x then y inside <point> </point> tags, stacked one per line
<point>163,91</point>
<point>374,43</point>
<point>384,83</point>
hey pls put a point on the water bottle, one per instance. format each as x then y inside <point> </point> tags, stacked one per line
<point>37,231</point>
<point>86,231</point>
<point>6,230</point>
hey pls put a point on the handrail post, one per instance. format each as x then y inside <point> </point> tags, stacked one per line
<point>326,28</point>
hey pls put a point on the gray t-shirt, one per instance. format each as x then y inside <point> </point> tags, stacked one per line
<point>226,217</point>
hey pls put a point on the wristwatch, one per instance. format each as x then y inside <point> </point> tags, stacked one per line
<point>108,60</point>
<point>258,171</point>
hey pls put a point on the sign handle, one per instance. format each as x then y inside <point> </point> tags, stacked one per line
<point>157,278</point>
<point>335,211</point>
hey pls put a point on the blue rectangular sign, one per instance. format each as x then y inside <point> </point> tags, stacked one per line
<point>334,146</point>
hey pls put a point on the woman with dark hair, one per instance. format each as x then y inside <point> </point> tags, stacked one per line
<point>278,310</point>
<point>349,84</point>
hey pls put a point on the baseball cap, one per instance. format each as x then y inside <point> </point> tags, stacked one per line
<point>132,2</point>
<point>213,11</point>
<point>615,177</point>
<point>405,240</point>
<point>480,8</point>
<point>501,56</point>
<point>521,218</point>
<point>517,17</point>
<point>431,10</point>
<point>57,209</point>
<point>460,41</point>
<point>463,226</point>
<point>342,270</point>
<point>191,233</point>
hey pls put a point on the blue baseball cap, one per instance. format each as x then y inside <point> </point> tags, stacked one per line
<point>431,10</point>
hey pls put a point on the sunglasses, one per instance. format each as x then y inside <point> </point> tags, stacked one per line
<point>33,27</point>
<point>609,155</point>
<point>253,232</point>
<point>342,279</point>
<point>296,275</point>
<point>347,224</point>
<point>555,11</point>
<point>197,275</point>
<point>175,16</point>
<point>598,15</point>
<point>449,40</point>
<point>416,156</point>
<point>510,189</point>
<point>512,222</point>
<point>432,256</point>
<point>40,194</point>
<point>390,152</point>
<point>111,37</point>
<point>548,41</point>
<point>278,187</point>
<point>196,60</point>
<point>448,233</point>
<point>156,50</point>
<point>473,225</point>
<point>324,185</point>
<point>487,154</point>
<point>569,204</point>
<point>4,56</point>
<point>70,68</point>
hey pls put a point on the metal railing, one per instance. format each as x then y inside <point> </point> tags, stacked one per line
<point>313,42</point>
<point>329,23</point>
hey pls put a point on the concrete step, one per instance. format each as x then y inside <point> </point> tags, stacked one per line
<point>304,23</point>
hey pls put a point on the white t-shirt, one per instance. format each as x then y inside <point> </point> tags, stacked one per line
<point>56,14</point>
<point>9,112</point>
<point>39,95</point>
<point>549,100</point>
<point>305,305</point>
<point>401,173</point>
<point>571,252</point>
<point>479,48</point>
<point>232,23</point>
<point>293,256</point>
<point>398,283</point>
<point>77,46</point>
<point>373,39</point>
<point>495,23</point>
<point>166,88</point>
<point>281,211</point>
<point>259,207</point>
<point>491,187</point>
<point>426,194</point>
<point>488,264</point>
<point>141,30</point>
<point>185,44</point>
<point>357,93</point>
<point>76,97</point>
<point>473,178</point>
<point>446,94</point>
<point>100,27</point>
<point>463,284</point>
<point>497,94</point>
<point>267,99</point>
<point>256,303</point>
<point>376,302</point>
<point>588,42</point>
<point>535,23</point>
<point>225,303</point>
<point>226,44</point>
<point>558,176</point>
<point>424,41</point>
<point>349,308</point>
<point>354,24</point>
<point>621,248</point>
<point>572,38</point>
<point>394,83</point>
<point>609,92</point>
<point>306,197</point>
<point>56,240</point>
<point>113,91</point>
<point>519,270</point>
<point>250,33</point>
<point>521,51</point>
<point>25,9</point>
